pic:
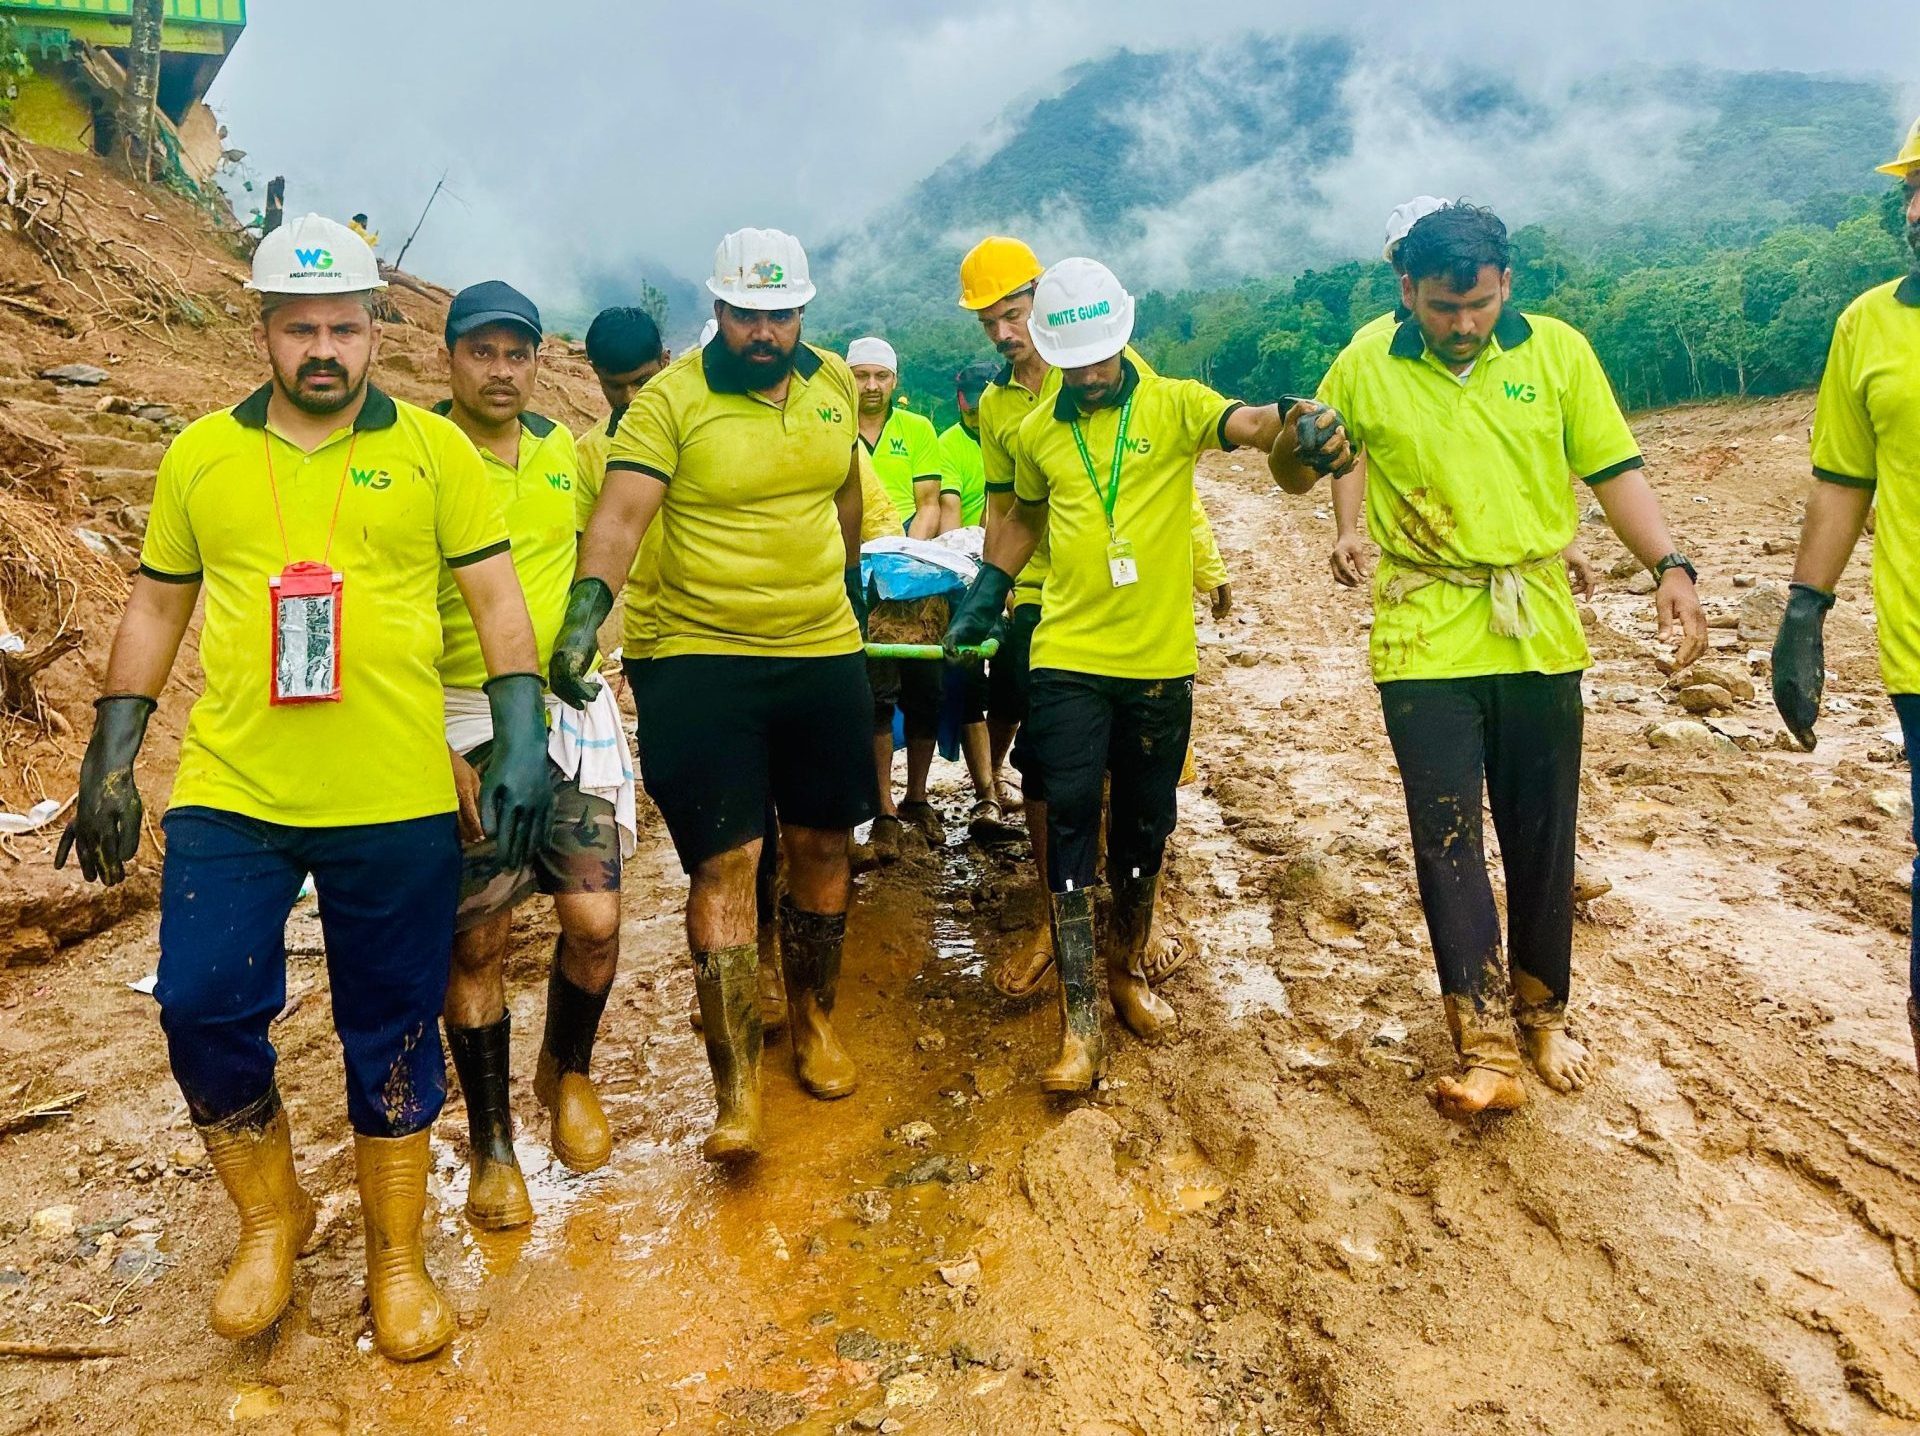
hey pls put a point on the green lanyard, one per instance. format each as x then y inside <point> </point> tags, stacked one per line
<point>1112,496</point>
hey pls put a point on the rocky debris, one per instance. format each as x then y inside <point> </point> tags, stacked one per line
<point>82,375</point>
<point>1705,698</point>
<point>875,1418</point>
<point>1688,735</point>
<point>912,1134</point>
<point>1894,802</point>
<point>1642,582</point>
<point>869,1208</point>
<point>1761,611</point>
<point>930,1042</point>
<point>1745,580</point>
<point>56,1223</point>
<point>911,1389</point>
<point>962,1274</point>
<point>941,1167</point>
<point>1724,675</point>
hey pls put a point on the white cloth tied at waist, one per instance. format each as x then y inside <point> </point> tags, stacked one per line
<point>588,745</point>
<point>1505,585</point>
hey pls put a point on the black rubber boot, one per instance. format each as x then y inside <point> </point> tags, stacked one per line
<point>581,1137</point>
<point>1082,1048</point>
<point>496,1192</point>
<point>810,947</point>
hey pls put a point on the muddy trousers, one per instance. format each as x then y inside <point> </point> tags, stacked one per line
<point>1907,705</point>
<point>1088,732</point>
<point>387,893</point>
<point>1516,736</point>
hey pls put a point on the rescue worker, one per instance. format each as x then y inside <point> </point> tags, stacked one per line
<point>1476,645</point>
<point>317,514</point>
<point>963,474</point>
<point>1349,490</point>
<point>1866,451</point>
<point>493,338</point>
<point>997,279</point>
<point>904,451</point>
<point>1114,652</point>
<point>746,452</point>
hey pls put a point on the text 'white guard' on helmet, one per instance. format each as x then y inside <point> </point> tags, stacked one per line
<point>1081,315</point>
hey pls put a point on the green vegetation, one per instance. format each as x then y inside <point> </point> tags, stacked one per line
<point>14,65</point>
<point>1672,318</point>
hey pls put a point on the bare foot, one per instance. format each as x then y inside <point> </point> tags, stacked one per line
<point>1561,1060</point>
<point>1480,1090</point>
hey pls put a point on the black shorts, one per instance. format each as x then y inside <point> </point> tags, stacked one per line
<point>914,686</point>
<point>1007,669</point>
<point>720,735</point>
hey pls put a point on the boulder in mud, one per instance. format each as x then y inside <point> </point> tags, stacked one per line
<point>1688,736</point>
<point>1761,611</point>
<point>1705,698</point>
<point>1070,1170</point>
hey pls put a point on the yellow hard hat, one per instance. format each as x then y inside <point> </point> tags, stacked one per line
<point>994,268</point>
<point>1906,164</point>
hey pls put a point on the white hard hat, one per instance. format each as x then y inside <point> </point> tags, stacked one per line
<point>314,255</point>
<point>1405,217</point>
<point>873,351</point>
<point>761,269</point>
<point>707,331</point>
<point>1081,315</point>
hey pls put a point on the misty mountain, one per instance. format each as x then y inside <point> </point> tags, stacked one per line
<point>1264,156</point>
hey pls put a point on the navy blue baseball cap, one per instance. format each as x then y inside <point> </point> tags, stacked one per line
<point>492,301</point>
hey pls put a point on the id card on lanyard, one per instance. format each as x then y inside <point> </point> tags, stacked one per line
<point>1122,570</point>
<point>304,601</point>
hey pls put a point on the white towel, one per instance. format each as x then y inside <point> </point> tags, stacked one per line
<point>590,746</point>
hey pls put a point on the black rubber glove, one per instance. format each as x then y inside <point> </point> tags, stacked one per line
<point>857,596</point>
<point>105,829</point>
<point>1800,661</point>
<point>978,611</point>
<point>577,646</point>
<point>516,798</point>
<point>1314,432</point>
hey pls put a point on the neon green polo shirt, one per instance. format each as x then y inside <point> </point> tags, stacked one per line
<point>1866,434</point>
<point>1383,323</point>
<point>1468,476</point>
<point>414,498</point>
<point>963,474</point>
<point>537,498</point>
<point>751,559</point>
<point>906,453</point>
<point>1087,625</point>
<point>637,629</point>
<point>1004,406</point>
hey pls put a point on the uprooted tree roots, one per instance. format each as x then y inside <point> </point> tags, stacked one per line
<point>116,281</point>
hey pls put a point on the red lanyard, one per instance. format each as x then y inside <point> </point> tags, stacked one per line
<point>346,472</point>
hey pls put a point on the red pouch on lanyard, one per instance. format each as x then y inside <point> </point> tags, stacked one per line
<point>306,634</point>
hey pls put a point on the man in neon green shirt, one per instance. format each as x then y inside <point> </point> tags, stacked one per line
<point>963,473</point>
<point>493,355</point>
<point>1866,449</point>
<point>1471,416</point>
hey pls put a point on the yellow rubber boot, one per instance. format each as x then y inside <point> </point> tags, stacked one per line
<point>411,1318</point>
<point>810,947</point>
<point>1083,1051</point>
<point>724,983</point>
<point>253,1155</point>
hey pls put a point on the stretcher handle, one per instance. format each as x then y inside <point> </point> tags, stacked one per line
<point>929,650</point>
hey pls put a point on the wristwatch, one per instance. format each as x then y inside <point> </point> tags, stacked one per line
<point>1674,560</point>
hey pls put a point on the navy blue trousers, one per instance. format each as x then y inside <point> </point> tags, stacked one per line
<point>387,895</point>
<point>1907,705</point>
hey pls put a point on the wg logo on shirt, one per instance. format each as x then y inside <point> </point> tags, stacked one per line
<point>897,447</point>
<point>1525,393</point>
<point>829,414</point>
<point>559,481</point>
<point>1139,446</point>
<point>371,479</point>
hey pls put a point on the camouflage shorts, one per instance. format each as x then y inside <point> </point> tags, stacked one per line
<point>580,854</point>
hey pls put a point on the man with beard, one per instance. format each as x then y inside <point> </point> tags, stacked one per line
<point>746,454</point>
<point>1472,415</point>
<point>1105,474</point>
<point>997,280</point>
<point>493,359</point>
<point>1866,447</point>
<point>317,515</point>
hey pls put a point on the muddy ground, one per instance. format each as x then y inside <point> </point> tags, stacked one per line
<point>1264,1228</point>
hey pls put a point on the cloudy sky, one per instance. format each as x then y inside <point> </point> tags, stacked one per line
<point>583,130</point>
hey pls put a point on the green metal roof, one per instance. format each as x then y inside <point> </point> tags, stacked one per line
<point>205,12</point>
